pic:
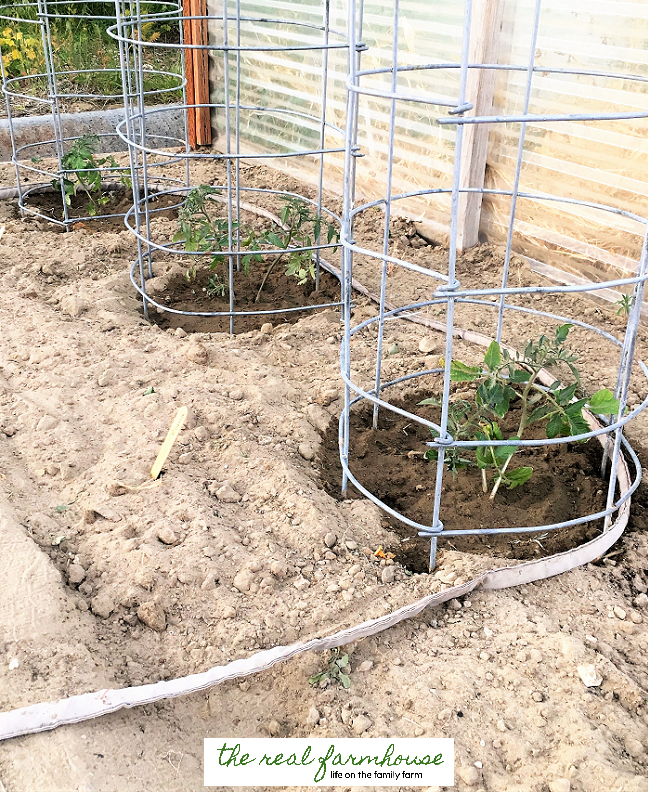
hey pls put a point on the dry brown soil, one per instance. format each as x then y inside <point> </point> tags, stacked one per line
<point>83,549</point>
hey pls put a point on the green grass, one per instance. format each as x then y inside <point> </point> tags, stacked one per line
<point>81,44</point>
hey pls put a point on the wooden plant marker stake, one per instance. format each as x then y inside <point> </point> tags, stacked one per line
<point>170,439</point>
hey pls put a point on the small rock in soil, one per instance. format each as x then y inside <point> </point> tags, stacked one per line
<point>634,748</point>
<point>67,472</point>
<point>102,606</point>
<point>635,616</point>
<point>227,494</point>
<point>313,717</point>
<point>152,615</point>
<point>427,345</point>
<point>455,604</point>
<point>328,396</point>
<point>209,582</point>
<point>73,306</point>
<point>197,353</point>
<point>180,333</point>
<point>266,327</point>
<point>388,574</point>
<point>641,600</point>
<point>318,417</point>
<point>274,728</point>
<point>365,666</point>
<point>306,451</point>
<point>167,535</point>
<point>279,568</point>
<point>561,785</point>
<point>236,394</point>
<point>361,724</point>
<point>243,580</point>
<point>201,433</point>
<point>82,604</point>
<point>46,423</point>
<point>469,775</point>
<point>76,574</point>
<point>115,489</point>
<point>330,539</point>
<point>589,675</point>
<point>619,613</point>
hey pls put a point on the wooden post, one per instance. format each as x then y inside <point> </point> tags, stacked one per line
<point>480,90</point>
<point>197,73</point>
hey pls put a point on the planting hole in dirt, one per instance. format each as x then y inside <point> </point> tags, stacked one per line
<point>119,201</point>
<point>566,484</point>
<point>279,291</point>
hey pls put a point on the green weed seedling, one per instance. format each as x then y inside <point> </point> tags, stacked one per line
<point>505,381</point>
<point>82,173</point>
<point>333,671</point>
<point>625,304</point>
<point>201,231</point>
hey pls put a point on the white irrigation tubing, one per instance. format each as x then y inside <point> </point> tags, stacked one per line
<point>49,716</point>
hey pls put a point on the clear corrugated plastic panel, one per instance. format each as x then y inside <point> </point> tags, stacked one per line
<point>605,162</point>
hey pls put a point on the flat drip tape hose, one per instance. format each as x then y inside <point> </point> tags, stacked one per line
<point>49,716</point>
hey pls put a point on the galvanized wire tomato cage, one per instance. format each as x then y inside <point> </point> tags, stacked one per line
<point>43,154</point>
<point>441,95</point>
<point>249,127</point>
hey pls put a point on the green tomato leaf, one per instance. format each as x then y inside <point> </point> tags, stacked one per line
<point>603,401</point>
<point>431,401</point>
<point>493,356</point>
<point>274,239</point>
<point>484,456</point>
<point>540,413</point>
<point>562,331</point>
<point>315,680</point>
<point>554,425</point>
<point>518,476</point>
<point>460,373</point>
<point>565,395</point>
<point>345,680</point>
<point>520,376</point>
